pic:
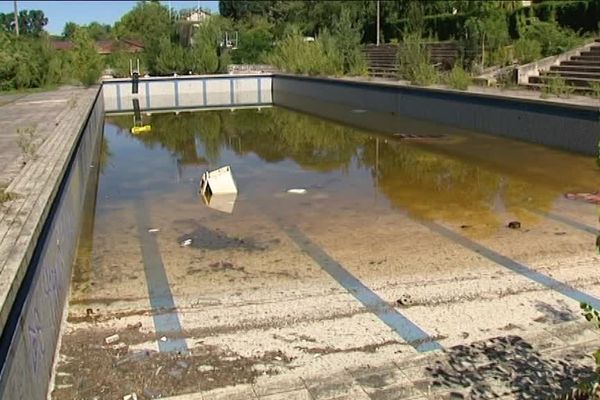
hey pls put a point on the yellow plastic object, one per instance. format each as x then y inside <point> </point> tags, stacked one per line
<point>136,130</point>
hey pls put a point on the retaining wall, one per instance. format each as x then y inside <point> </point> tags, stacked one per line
<point>564,126</point>
<point>30,335</point>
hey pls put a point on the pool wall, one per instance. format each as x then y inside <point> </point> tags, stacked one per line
<point>194,92</point>
<point>559,125</point>
<point>30,336</point>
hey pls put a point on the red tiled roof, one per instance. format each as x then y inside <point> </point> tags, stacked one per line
<point>104,46</point>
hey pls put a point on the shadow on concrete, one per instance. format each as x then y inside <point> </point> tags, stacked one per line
<point>505,366</point>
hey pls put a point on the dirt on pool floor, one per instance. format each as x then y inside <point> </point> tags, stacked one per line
<point>393,245</point>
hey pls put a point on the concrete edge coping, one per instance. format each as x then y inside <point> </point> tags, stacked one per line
<point>186,77</point>
<point>564,103</point>
<point>41,194</point>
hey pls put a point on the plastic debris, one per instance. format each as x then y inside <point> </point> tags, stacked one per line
<point>186,242</point>
<point>296,191</point>
<point>135,326</point>
<point>588,197</point>
<point>111,339</point>
<point>219,181</point>
<point>120,346</point>
<point>134,357</point>
<point>163,339</point>
<point>514,225</point>
<point>136,130</point>
<point>221,202</point>
<point>205,368</point>
<point>153,230</point>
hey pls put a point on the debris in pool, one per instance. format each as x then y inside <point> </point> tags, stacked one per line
<point>134,357</point>
<point>514,225</point>
<point>219,181</point>
<point>404,300</point>
<point>296,191</point>
<point>153,230</point>
<point>112,339</point>
<point>186,242</point>
<point>588,197</point>
<point>135,326</point>
<point>151,394</point>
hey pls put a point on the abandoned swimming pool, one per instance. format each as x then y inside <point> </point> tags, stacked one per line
<point>393,246</point>
<point>398,246</point>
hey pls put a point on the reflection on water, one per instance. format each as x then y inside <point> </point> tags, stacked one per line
<point>459,181</point>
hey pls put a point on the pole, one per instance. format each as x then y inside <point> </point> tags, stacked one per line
<point>377,22</point>
<point>16,18</point>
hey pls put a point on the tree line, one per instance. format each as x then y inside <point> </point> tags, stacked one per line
<point>300,36</point>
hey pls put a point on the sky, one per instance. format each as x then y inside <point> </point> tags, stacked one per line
<point>84,12</point>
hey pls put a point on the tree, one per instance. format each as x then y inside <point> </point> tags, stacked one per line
<point>69,30</point>
<point>147,21</point>
<point>98,31</point>
<point>86,60</point>
<point>31,22</point>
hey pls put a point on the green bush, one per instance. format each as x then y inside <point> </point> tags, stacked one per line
<point>414,62</point>
<point>255,43</point>
<point>294,54</point>
<point>86,60</point>
<point>527,50</point>
<point>595,86</point>
<point>458,78</point>
<point>557,86</point>
<point>552,38</point>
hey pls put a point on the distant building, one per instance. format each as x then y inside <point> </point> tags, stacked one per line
<point>188,22</point>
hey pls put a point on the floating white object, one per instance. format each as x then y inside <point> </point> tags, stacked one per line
<point>219,181</point>
<point>221,202</point>
<point>112,339</point>
<point>297,191</point>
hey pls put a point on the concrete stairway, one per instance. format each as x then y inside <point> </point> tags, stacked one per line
<point>383,59</point>
<point>580,71</point>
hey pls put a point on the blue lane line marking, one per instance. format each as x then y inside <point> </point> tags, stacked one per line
<point>231,95</point>
<point>147,95</point>
<point>259,94</point>
<point>118,97</point>
<point>176,88</point>
<point>166,320</point>
<point>410,332</point>
<point>568,221</point>
<point>204,95</point>
<point>514,266</point>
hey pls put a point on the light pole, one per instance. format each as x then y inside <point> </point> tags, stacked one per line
<point>16,18</point>
<point>377,22</point>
